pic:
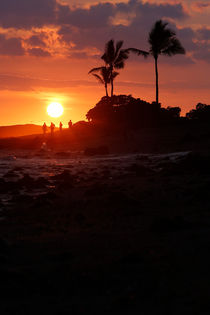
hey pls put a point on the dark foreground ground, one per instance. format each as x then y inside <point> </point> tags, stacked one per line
<point>108,239</point>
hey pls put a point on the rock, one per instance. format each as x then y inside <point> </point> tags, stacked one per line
<point>62,155</point>
<point>41,182</point>
<point>132,258</point>
<point>140,170</point>
<point>102,150</point>
<point>45,200</point>
<point>64,176</point>
<point>142,158</point>
<point>80,218</point>
<point>5,246</point>
<point>8,186</point>
<point>192,163</point>
<point>10,174</point>
<point>62,256</point>
<point>26,181</point>
<point>167,225</point>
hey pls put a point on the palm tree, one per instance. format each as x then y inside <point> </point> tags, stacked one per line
<point>104,77</point>
<point>163,41</point>
<point>114,57</point>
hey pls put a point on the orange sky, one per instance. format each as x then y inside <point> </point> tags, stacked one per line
<point>47,49</point>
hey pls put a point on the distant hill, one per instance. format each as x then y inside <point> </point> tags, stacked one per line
<point>19,130</point>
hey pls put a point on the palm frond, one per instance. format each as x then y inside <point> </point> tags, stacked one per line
<point>138,52</point>
<point>174,47</point>
<point>109,54</point>
<point>98,78</point>
<point>106,74</point>
<point>163,40</point>
<point>95,69</point>
<point>120,65</point>
<point>119,45</point>
<point>123,55</point>
<point>114,74</point>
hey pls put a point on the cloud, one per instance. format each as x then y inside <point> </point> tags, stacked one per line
<point>11,46</point>
<point>27,13</point>
<point>82,55</point>
<point>104,14</point>
<point>204,33</point>
<point>93,17</point>
<point>37,13</point>
<point>186,35</point>
<point>36,40</point>
<point>203,53</point>
<point>26,83</point>
<point>129,21</point>
<point>81,32</point>
<point>38,52</point>
<point>200,6</point>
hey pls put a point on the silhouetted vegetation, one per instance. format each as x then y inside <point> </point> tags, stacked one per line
<point>129,113</point>
<point>201,113</point>
<point>114,57</point>
<point>169,115</point>
<point>163,41</point>
<point>105,76</point>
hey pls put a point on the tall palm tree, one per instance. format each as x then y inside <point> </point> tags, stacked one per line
<point>104,77</point>
<point>114,57</point>
<point>163,41</point>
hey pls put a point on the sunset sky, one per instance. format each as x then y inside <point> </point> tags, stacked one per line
<point>47,48</point>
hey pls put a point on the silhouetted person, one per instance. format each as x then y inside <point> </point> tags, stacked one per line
<point>44,128</point>
<point>52,127</point>
<point>44,147</point>
<point>70,124</point>
<point>60,126</point>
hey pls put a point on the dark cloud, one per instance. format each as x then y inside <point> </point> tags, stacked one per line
<point>99,23</point>
<point>82,55</point>
<point>93,17</point>
<point>11,46</point>
<point>200,6</point>
<point>99,15</point>
<point>203,53</point>
<point>90,28</point>
<point>186,36</point>
<point>27,13</point>
<point>38,52</point>
<point>36,40</point>
<point>204,33</point>
<point>36,13</point>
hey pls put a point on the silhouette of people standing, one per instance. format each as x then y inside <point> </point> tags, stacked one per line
<point>61,126</point>
<point>44,128</point>
<point>70,124</point>
<point>52,127</point>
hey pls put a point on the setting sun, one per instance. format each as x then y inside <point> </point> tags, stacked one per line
<point>55,110</point>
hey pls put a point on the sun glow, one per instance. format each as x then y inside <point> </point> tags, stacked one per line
<point>55,110</point>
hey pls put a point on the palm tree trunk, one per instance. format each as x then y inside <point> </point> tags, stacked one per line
<point>106,90</point>
<point>156,74</point>
<point>112,87</point>
<point>111,80</point>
